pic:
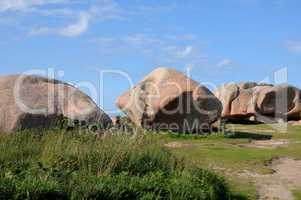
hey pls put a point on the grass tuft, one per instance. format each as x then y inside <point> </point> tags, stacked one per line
<point>67,165</point>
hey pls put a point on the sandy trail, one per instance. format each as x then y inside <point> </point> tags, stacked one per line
<point>280,184</point>
<point>268,144</point>
<point>276,186</point>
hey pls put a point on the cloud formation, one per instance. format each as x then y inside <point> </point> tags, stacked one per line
<point>77,18</point>
<point>224,62</point>
<point>75,29</point>
<point>179,52</point>
<point>79,27</point>
<point>294,46</point>
<point>23,5</point>
<point>162,49</point>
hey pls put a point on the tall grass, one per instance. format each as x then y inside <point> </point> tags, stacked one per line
<point>68,165</point>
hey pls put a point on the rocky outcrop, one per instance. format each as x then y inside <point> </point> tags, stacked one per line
<point>168,100</point>
<point>37,102</point>
<point>246,102</point>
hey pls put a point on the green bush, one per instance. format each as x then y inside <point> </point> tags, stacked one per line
<point>69,165</point>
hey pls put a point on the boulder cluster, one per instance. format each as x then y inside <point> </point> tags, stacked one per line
<point>259,103</point>
<point>164,100</point>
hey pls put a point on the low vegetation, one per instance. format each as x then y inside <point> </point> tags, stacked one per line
<point>55,164</point>
<point>75,164</point>
<point>297,194</point>
<point>247,148</point>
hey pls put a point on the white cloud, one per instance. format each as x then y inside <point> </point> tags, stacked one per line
<point>224,62</point>
<point>56,12</point>
<point>140,40</point>
<point>157,8</point>
<point>78,14</point>
<point>72,30</point>
<point>185,52</point>
<point>179,52</point>
<point>101,9</point>
<point>23,5</point>
<point>106,9</point>
<point>294,46</point>
<point>79,27</point>
<point>185,37</point>
<point>40,31</point>
<point>160,49</point>
<point>188,55</point>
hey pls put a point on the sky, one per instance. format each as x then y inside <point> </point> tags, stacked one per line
<point>105,46</point>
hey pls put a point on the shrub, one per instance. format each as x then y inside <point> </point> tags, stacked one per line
<point>68,165</point>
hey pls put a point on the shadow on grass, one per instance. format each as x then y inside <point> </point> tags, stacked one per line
<point>239,197</point>
<point>253,136</point>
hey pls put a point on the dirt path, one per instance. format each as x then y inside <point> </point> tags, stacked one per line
<point>268,144</point>
<point>276,186</point>
<point>280,184</point>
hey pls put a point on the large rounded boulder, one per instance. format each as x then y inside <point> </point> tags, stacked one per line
<point>168,100</point>
<point>36,102</point>
<point>245,102</point>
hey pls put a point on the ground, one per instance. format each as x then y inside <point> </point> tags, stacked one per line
<point>257,161</point>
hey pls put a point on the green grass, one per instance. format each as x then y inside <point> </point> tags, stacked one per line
<point>68,165</point>
<point>297,194</point>
<point>77,165</point>
<point>228,154</point>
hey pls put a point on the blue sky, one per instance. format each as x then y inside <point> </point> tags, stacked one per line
<point>219,41</point>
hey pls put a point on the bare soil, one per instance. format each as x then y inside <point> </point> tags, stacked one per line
<point>268,144</point>
<point>280,184</point>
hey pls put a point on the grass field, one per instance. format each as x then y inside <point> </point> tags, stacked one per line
<point>250,149</point>
<point>297,194</point>
<point>68,165</point>
<point>56,164</point>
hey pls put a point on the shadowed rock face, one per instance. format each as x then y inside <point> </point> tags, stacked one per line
<point>38,102</point>
<point>169,100</point>
<point>259,102</point>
